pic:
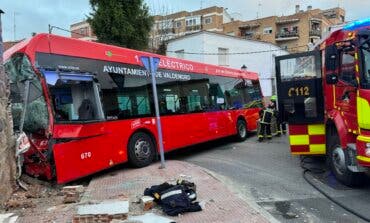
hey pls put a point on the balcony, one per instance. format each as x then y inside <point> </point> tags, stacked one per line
<point>283,36</point>
<point>166,31</point>
<point>315,33</point>
<point>193,28</point>
<point>249,26</point>
<point>286,21</point>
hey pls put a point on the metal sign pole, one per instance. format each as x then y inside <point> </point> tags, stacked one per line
<point>151,64</point>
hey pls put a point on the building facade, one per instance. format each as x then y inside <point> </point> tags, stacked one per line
<point>178,24</point>
<point>230,51</point>
<point>295,32</point>
<point>82,30</point>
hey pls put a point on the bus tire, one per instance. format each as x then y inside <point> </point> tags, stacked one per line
<point>339,160</point>
<point>141,150</point>
<point>241,130</point>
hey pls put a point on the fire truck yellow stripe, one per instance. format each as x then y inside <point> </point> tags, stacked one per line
<point>357,70</point>
<point>363,158</point>
<point>363,110</point>
<point>363,138</point>
<point>299,140</point>
<point>316,129</point>
<point>356,56</point>
<point>317,148</point>
<point>334,97</point>
<point>308,153</point>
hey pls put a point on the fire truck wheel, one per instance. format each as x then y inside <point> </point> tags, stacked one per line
<point>241,127</point>
<point>141,150</point>
<point>338,160</point>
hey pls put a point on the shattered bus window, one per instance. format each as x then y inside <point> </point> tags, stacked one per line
<point>20,70</point>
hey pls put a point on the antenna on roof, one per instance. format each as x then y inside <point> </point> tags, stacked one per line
<point>201,4</point>
<point>340,3</point>
<point>259,8</point>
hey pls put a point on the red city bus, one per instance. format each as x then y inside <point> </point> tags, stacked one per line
<point>87,106</point>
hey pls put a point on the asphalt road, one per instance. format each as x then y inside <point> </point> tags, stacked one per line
<point>267,174</point>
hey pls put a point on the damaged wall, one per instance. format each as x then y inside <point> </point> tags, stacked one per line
<point>7,160</point>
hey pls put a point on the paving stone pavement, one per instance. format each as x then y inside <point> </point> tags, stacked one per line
<point>220,204</point>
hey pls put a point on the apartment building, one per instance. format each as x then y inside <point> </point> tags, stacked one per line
<point>178,24</point>
<point>82,30</point>
<point>296,32</point>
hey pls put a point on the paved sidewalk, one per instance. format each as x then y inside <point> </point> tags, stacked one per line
<point>220,204</point>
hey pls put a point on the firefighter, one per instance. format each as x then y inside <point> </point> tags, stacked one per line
<point>280,126</point>
<point>265,123</point>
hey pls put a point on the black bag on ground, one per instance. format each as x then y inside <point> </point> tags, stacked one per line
<point>156,190</point>
<point>175,201</point>
<point>189,187</point>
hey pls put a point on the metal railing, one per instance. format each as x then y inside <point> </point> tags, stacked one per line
<point>287,34</point>
<point>315,33</point>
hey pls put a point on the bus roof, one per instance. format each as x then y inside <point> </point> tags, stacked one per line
<point>49,43</point>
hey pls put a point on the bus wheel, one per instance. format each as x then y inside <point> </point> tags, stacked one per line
<point>339,160</point>
<point>241,128</point>
<point>141,150</point>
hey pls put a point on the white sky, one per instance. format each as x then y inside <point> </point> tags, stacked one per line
<point>35,15</point>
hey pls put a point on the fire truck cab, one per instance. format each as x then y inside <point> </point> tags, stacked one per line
<point>324,96</point>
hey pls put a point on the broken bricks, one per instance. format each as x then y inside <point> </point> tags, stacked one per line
<point>104,211</point>
<point>72,193</point>
<point>147,202</point>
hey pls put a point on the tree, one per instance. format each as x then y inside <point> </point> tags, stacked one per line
<point>124,23</point>
<point>7,154</point>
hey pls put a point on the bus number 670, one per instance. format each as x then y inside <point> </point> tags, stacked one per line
<point>85,155</point>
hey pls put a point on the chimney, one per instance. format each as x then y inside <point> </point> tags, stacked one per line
<point>309,7</point>
<point>296,8</point>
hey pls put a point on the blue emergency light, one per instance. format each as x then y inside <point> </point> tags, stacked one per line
<point>357,24</point>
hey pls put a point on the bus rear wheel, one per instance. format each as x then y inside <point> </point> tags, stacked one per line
<point>241,128</point>
<point>339,160</point>
<point>141,150</point>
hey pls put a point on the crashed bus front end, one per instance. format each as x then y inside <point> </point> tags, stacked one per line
<point>31,115</point>
<point>54,110</point>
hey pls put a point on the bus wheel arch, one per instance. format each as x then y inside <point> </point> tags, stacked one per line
<point>338,158</point>
<point>241,129</point>
<point>141,148</point>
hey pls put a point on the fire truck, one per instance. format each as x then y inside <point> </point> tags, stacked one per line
<point>324,96</point>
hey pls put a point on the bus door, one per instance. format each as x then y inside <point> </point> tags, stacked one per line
<point>300,101</point>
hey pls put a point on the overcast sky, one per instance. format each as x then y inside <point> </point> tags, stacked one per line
<point>35,15</point>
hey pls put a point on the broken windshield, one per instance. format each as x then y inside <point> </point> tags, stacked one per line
<point>26,93</point>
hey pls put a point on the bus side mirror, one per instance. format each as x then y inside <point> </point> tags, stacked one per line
<point>331,78</point>
<point>331,57</point>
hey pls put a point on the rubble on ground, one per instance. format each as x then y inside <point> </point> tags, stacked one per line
<point>72,194</point>
<point>104,211</point>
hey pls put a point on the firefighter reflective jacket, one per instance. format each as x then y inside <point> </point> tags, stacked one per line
<point>175,199</point>
<point>266,115</point>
